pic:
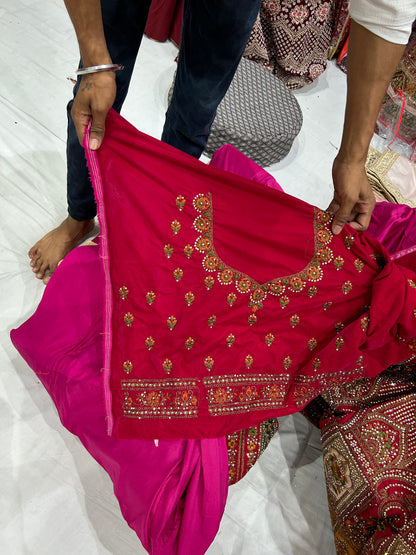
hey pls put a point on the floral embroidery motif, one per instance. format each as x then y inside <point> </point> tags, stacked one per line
<point>201,202</point>
<point>225,277</point>
<point>189,343</point>
<point>365,321</point>
<point>338,262</point>
<point>128,366</point>
<point>411,283</point>
<point>257,297</point>
<point>252,319</point>
<point>312,343</point>
<point>314,273</point>
<point>296,284</point>
<point>128,318</point>
<point>287,362</point>
<point>284,301</point>
<point>324,255</point>
<point>211,320</point>
<point>123,292</point>
<point>349,241</point>
<point>202,224</point>
<point>249,361</point>
<point>339,326</point>
<point>269,339</point>
<point>202,244</point>
<point>209,282</point>
<point>276,287</point>
<point>180,202</point>
<point>171,322</point>
<point>312,291</point>
<point>231,298</point>
<point>209,363</point>
<point>210,263</point>
<point>230,339</point>
<point>178,274</point>
<point>294,320</point>
<point>167,365</point>
<point>339,342</point>
<point>150,297</point>
<point>359,265</point>
<point>188,250</point>
<point>149,342</point>
<point>189,298</point>
<point>243,285</point>
<point>316,363</point>
<point>327,305</point>
<point>346,287</point>
<point>168,250</point>
<point>176,227</point>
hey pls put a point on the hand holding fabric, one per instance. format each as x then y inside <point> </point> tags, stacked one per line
<point>354,199</point>
<point>94,98</point>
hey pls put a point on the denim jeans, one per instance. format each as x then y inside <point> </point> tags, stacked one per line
<point>214,35</point>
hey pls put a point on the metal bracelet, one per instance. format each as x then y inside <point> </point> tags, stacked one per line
<point>98,69</point>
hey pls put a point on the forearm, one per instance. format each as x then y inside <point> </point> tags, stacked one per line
<point>371,64</point>
<point>88,24</point>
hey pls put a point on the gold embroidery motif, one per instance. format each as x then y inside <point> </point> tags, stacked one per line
<point>128,319</point>
<point>167,365</point>
<point>171,322</point>
<point>349,241</point>
<point>294,320</point>
<point>209,362</point>
<point>359,265</point>
<point>189,298</point>
<point>249,361</point>
<point>180,202</point>
<point>230,339</point>
<point>178,274</point>
<point>149,342</point>
<point>123,292</point>
<point>211,320</point>
<point>168,250</point>
<point>346,287</point>
<point>209,282</point>
<point>284,301</point>
<point>188,250</point>
<point>189,343</point>
<point>128,366</point>
<point>269,339</point>
<point>252,319</point>
<point>339,262</point>
<point>176,227</point>
<point>150,297</point>
<point>339,342</point>
<point>231,298</point>
<point>312,343</point>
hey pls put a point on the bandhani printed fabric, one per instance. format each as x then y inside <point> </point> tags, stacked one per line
<point>292,38</point>
<point>228,303</point>
<point>369,450</point>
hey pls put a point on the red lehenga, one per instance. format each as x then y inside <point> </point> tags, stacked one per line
<point>228,303</point>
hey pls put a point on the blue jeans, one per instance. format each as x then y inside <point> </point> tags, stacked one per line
<point>214,35</point>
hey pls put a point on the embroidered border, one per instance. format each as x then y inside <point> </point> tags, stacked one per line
<point>168,398</point>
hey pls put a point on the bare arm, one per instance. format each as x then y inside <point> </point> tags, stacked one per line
<point>371,64</point>
<point>97,91</point>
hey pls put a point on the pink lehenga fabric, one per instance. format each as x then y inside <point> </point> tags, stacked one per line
<point>292,39</point>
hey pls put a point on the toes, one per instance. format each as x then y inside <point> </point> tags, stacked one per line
<point>33,251</point>
<point>47,276</point>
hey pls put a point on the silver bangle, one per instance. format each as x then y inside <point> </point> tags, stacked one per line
<point>98,69</point>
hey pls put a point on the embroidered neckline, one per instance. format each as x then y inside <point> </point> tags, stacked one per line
<point>228,275</point>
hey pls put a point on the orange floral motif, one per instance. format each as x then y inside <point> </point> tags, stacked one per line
<point>178,274</point>
<point>210,263</point>
<point>180,202</point>
<point>249,361</point>
<point>220,395</point>
<point>202,244</point>
<point>150,297</point>
<point>284,301</point>
<point>128,366</point>
<point>269,339</point>
<point>411,283</point>
<point>209,282</point>
<point>323,217</point>
<point>316,363</point>
<point>243,285</point>
<point>274,392</point>
<point>211,320</point>
<point>167,365</point>
<point>128,318</point>
<point>312,291</point>
<point>257,297</point>
<point>230,339</point>
<point>189,298</point>
<point>327,305</point>
<point>189,343</point>
<point>324,236</point>
<point>202,224</point>
<point>312,343</point>
<point>349,241</point>
<point>346,287</point>
<point>209,362</point>
<point>324,255</point>
<point>339,342</point>
<point>149,342</point>
<point>339,326</point>
<point>188,250</point>
<point>287,362</point>
<point>231,298</point>
<point>276,287</point>
<point>201,202</point>
<point>339,262</point>
<point>175,226</point>
<point>294,320</point>
<point>171,322</point>
<point>296,284</point>
<point>359,265</point>
<point>365,321</point>
<point>314,273</point>
<point>123,292</point>
<point>252,319</point>
<point>225,277</point>
<point>168,250</point>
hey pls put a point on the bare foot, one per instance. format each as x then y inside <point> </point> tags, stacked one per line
<point>46,254</point>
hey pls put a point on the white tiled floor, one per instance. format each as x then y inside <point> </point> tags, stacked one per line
<point>54,499</point>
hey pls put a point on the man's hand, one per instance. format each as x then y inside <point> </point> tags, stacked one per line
<point>94,98</point>
<point>354,199</point>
